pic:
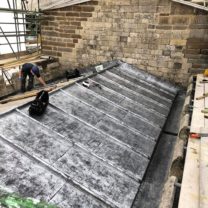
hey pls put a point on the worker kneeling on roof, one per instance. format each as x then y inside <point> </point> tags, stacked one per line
<point>30,70</point>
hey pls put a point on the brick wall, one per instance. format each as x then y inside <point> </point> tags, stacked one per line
<point>164,38</point>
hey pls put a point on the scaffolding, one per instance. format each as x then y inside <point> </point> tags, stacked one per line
<point>29,21</point>
<point>197,4</point>
<point>27,31</point>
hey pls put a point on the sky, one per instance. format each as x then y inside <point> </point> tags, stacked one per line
<point>9,18</point>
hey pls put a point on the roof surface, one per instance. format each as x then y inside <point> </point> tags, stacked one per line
<point>53,4</point>
<point>93,145</point>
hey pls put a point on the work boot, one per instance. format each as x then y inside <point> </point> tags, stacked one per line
<point>23,81</point>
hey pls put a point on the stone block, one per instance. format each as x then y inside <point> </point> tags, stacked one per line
<point>180,20</point>
<point>63,49</point>
<point>180,9</point>
<point>164,20</point>
<point>151,27</point>
<point>152,46</point>
<point>166,52</point>
<point>179,48</point>
<point>150,68</point>
<point>164,41</point>
<point>177,55</point>
<point>177,66</point>
<point>147,9</point>
<point>164,9</point>
<point>195,45</point>
<point>178,42</point>
<point>164,27</point>
<point>204,26</point>
<point>53,65</point>
<point>72,14</point>
<point>85,14</point>
<point>204,51</point>
<point>180,27</point>
<point>123,39</point>
<point>88,9</point>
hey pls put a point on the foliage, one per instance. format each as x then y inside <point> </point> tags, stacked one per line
<point>13,201</point>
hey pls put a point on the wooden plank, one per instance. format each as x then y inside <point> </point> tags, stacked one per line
<point>35,91</point>
<point>25,95</point>
<point>189,197</point>
<point>197,1</point>
<point>194,190</point>
<point>19,63</point>
<point>199,91</point>
<point>198,119</point>
<point>34,60</point>
<point>204,173</point>
<point>13,60</point>
<point>202,97</point>
<point>206,103</point>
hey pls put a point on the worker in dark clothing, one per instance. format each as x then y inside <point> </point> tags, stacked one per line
<point>30,70</point>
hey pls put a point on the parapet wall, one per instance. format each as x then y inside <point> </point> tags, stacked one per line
<point>164,38</point>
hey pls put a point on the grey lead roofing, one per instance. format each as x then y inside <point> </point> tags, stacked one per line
<point>92,146</point>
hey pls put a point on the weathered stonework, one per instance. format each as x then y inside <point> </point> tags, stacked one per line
<point>164,38</point>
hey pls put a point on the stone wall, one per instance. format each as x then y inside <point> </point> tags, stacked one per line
<point>63,29</point>
<point>6,89</point>
<point>164,38</point>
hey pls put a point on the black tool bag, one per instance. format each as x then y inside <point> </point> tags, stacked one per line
<point>72,74</point>
<point>39,105</point>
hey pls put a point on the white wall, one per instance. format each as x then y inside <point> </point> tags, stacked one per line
<point>9,17</point>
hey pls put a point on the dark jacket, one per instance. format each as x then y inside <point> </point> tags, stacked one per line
<point>26,69</point>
